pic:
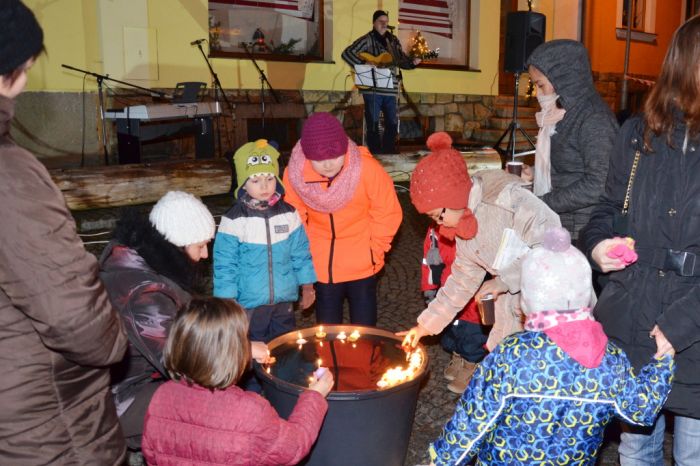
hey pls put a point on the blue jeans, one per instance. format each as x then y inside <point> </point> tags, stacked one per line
<point>361,295</point>
<point>374,103</point>
<point>643,446</point>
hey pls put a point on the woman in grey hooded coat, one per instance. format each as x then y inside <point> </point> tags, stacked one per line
<point>577,132</point>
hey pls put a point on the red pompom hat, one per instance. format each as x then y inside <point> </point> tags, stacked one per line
<point>440,179</point>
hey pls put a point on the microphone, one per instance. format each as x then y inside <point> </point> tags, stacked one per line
<point>391,28</point>
<point>197,42</point>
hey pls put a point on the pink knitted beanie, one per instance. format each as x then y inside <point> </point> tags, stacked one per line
<point>323,137</point>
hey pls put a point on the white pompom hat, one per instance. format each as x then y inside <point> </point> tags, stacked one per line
<point>182,218</point>
<point>555,276</point>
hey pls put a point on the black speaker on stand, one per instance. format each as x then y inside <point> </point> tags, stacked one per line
<point>524,33</point>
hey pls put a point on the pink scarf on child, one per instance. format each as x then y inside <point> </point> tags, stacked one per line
<point>576,332</point>
<point>547,120</point>
<point>339,191</point>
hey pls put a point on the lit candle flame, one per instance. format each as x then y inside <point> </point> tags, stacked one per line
<point>319,362</point>
<point>300,340</point>
<point>341,336</point>
<point>320,333</point>
<point>400,374</point>
<point>354,336</point>
<point>320,343</point>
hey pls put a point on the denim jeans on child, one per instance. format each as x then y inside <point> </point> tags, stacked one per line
<point>362,297</point>
<point>466,339</point>
<point>374,103</point>
<point>641,446</point>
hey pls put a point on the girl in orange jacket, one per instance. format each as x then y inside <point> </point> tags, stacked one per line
<point>348,205</point>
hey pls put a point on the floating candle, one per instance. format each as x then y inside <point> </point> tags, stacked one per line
<point>341,336</point>
<point>320,333</point>
<point>300,340</point>
<point>354,336</point>
<point>399,374</point>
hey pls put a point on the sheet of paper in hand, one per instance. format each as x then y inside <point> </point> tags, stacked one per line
<point>510,249</point>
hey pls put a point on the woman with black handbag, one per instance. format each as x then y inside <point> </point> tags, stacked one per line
<point>652,307</point>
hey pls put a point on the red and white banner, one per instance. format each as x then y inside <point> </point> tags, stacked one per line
<point>427,15</point>
<point>297,8</point>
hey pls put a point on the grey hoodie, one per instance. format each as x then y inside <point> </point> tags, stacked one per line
<point>583,140</point>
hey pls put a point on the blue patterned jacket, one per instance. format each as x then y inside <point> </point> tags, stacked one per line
<point>531,403</point>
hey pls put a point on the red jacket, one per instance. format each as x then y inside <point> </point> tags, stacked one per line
<point>196,426</point>
<point>470,313</point>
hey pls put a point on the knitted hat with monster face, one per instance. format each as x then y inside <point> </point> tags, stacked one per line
<point>256,158</point>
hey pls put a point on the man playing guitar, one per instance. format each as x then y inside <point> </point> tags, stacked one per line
<point>380,48</point>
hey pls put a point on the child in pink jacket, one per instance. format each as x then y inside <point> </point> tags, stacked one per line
<point>202,417</point>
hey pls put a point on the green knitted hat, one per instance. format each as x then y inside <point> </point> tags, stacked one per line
<point>254,159</point>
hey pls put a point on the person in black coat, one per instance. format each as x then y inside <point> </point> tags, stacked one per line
<point>653,305</point>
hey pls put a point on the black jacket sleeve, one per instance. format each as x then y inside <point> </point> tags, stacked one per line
<point>600,226</point>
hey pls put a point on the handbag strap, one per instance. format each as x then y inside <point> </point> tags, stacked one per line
<point>630,182</point>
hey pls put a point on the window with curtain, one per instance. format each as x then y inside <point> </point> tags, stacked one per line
<point>286,30</point>
<point>442,24</point>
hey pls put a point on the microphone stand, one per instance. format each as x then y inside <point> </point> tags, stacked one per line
<point>217,88</point>
<point>263,80</point>
<point>100,78</point>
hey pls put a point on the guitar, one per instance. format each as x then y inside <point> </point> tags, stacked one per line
<point>381,60</point>
<point>385,59</point>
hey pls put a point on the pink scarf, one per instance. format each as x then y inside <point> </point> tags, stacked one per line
<point>340,190</point>
<point>575,332</point>
<point>547,120</point>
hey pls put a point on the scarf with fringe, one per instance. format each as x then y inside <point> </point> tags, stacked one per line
<point>547,120</point>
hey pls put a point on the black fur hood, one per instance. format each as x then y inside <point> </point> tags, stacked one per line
<point>136,232</point>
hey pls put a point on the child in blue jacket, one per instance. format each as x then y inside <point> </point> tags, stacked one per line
<point>545,395</point>
<point>261,252</point>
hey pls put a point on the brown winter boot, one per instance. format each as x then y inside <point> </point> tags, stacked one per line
<point>462,378</point>
<point>453,367</point>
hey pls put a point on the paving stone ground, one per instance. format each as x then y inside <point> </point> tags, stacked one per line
<point>399,304</point>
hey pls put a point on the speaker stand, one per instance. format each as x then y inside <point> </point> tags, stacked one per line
<point>513,130</point>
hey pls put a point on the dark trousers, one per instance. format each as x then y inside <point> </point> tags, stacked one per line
<point>270,321</point>
<point>361,295</point>
<point>374,104</point>
<point>466,339</point>
<point>267,322</point>
<point>132,420</point>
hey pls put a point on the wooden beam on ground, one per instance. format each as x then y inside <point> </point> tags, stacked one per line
<point>400,166</point>
<point>119,185</point>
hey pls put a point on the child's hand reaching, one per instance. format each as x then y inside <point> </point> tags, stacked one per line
<point>308,295</point>
<point>259,352</point>
<point>324,383</point>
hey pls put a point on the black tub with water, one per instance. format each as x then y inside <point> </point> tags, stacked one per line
<point>365,424</point>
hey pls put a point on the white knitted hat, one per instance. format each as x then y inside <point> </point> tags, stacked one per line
<point>182,218</point>
<point>555,276</point>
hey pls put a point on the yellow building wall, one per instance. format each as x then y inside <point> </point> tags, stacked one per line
<point>72,36</point>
